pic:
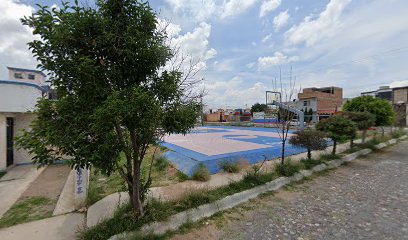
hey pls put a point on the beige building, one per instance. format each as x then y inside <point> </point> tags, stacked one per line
<point>400,101</point>
<point>18,96</point>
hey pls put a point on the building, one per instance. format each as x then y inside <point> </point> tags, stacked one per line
<point>323,102</point>
<point>398,97</point>
<point>400,101</point>
<point>384,92</point>
<point>18,97</point>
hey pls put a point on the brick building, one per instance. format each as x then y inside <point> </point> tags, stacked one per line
<point>323,101</point>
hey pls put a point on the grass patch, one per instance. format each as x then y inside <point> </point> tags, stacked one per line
<point>329,157</point>
<point>26,210</point>
<point>2,174</point>
<point>156,210</point>
<point>288,168</point>
<point>101,185</point>
<point>310,163</point>
<point>201,173</point>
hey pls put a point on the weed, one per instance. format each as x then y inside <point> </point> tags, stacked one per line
<point>231,167</point>
<point>2,173</point>
<point>310,163</point>
<point>201,173</point>
<point>182,176</point>
<point>398,133</point>
<point>161,163</point>
<point>329,157</point>
<point>288,168</point>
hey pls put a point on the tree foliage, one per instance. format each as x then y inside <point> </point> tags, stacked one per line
<point>258,107</point>
<point>310,139</point>
<point>337,128</point>
<point>380,108</point>
<point>363,120</point>
<point>115,96</point>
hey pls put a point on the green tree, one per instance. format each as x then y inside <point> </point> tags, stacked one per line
<point>115,96</point>
<point>363,121</point>
<point>337,128</point>
<point>380,108</point>
<point>258,107</point>
<point>310,139</point>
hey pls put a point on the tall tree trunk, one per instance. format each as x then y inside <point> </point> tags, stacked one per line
<point>283,152</point>
<point>136,200</point>
<point>309,154</point>
<point>364,135</point>
<point>334,147</point>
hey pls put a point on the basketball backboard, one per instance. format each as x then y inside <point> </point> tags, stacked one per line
<point>272,96</point>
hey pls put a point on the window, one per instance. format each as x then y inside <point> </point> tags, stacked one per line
<point>31,76</point>
<point>305,104</point>
<point>18,75</point>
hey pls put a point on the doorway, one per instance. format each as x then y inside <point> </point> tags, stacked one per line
<point>10,143</point>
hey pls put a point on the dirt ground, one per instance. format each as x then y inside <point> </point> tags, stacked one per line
<point>49,184</point>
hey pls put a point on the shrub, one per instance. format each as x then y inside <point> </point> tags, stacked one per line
<point>287,169</point>
<point>231,167</point>
<point>161,163</point>
<point>310,163</point>
<point>309,139</point>
<point>201,173</point>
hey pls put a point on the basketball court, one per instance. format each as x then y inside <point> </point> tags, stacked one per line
<point>216,144</point>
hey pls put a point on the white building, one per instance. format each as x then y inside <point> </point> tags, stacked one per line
<point>18,97</point>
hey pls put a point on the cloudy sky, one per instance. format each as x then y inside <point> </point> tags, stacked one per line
<point>240,45</point>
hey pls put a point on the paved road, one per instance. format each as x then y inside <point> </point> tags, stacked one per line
<point>367,199</point>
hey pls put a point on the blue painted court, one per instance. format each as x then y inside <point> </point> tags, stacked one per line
<point>215,144</point>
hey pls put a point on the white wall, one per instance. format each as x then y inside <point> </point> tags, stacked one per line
<point>38,78</point>
<point>18,98</point>
<point>3,142</point>
<point>22,121</point>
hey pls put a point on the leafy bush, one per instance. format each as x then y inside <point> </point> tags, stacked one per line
<point>231,167</point>
<point>287,169</point>
<point>309,139</point>
<point>201,173</point>
<point>310,163</point>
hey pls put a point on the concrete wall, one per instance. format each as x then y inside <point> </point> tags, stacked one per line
<point>15,97</point>
<point>400,95</point>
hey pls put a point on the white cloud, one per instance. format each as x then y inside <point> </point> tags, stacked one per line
<point>233,94</point>
<point>311,31</point>
<point>395,84</point>
<point>269,6</point>
<point>235,7</point>
<point>199,10</point>
<point>278,58</point>
<point>195,10</point>
<point>14,36</point>
<point>281,19</point>
<point>195,46</point>
<point>267,38</point>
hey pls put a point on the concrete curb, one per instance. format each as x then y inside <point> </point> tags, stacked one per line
<point>207,210</point>
<point>65,202</point>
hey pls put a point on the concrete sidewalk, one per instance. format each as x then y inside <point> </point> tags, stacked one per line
<point>14,183</point>
<point>64,227</point>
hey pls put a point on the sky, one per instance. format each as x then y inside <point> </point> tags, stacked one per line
<point>241,46</point>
